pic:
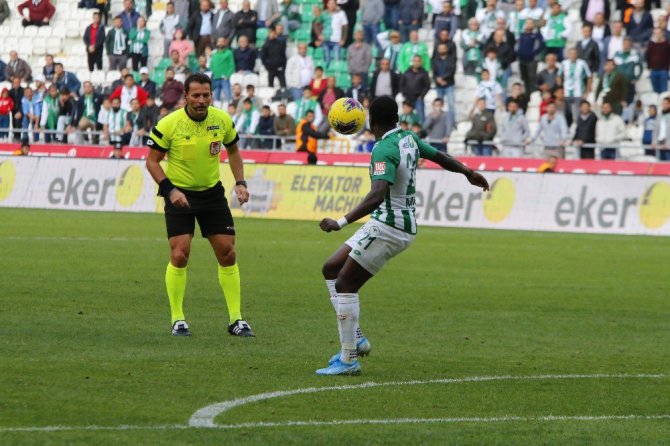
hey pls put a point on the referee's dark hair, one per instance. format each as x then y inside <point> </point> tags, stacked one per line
<point>384,112</point>
<point>198,78</point>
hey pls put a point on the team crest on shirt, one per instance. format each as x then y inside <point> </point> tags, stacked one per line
<point>379,168</point>
<point>215,148</point>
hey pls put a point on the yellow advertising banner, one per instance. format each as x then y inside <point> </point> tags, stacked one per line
<point>300,192</point>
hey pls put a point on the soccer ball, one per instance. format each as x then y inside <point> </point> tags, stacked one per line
<point>346,116</point>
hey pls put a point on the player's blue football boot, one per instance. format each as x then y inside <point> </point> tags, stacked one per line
<point>340,368</point>
<point>363,348</point>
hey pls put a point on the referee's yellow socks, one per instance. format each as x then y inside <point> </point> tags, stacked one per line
<point>175,282</point>
<point>229,279</point>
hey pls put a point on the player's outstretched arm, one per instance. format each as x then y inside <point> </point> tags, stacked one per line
<point>371,202</point>
<point>237,168</point>
<point>451,164</point>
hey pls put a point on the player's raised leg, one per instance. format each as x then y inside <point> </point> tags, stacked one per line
<point>331,270</point>
<point>175,281</point>
<point>229,279</point>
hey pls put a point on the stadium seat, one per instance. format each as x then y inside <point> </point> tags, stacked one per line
<point>250,79</point>
<point>158,76</point>
<point>261,35</point>
<point>111,76</point>
<point>29,31</point>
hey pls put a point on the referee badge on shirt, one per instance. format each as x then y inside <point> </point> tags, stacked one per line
<point>215,148</point>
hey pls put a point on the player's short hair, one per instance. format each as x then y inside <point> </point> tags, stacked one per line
<point>198,78</point>
<point>384,111</point>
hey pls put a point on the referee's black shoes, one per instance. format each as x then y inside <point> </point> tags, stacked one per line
<point>240,328</point>
<point>180,328</point>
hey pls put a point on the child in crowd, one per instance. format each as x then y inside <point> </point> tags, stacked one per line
<point>6,106</point>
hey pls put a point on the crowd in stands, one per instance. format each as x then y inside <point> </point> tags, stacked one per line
<point>315,52</point>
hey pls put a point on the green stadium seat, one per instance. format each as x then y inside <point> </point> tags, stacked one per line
<point>158,76</point>
<point>318,54</point>
<point>164,63</point>
<point>262,34</point>
<point>302,35</point>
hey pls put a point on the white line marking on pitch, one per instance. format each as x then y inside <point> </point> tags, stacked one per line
<point>504,419</point>
<point>205,417</point>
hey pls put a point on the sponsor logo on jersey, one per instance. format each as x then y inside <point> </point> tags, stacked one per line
<point>215,148</point>
<point>213,127</point>
<point>379,168</point>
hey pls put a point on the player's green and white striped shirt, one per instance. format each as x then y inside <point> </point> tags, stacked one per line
<point>394,159</point>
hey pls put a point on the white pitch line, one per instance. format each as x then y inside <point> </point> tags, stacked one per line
<point>315,423</point>
<point>205,417</point>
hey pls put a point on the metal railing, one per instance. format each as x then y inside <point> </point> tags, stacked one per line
<point>348,145</point>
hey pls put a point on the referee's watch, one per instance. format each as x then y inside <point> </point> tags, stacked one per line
<point>241,183</point>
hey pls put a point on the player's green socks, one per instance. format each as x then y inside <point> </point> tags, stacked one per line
<point>333,300</point>
<point>229,279</point>
<point>175,282</point>
<point>347,322</point>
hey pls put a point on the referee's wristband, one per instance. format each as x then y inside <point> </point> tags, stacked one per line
<point>342,222</point>
<point>165,187</point>
<point>241,183</point>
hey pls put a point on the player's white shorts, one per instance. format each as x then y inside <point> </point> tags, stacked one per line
<point>376,243</point>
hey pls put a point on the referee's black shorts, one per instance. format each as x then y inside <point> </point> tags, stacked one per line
<point>209,207</point>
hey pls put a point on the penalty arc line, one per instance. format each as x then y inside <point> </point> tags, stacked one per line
<point>372,422</point>
<point>205,417</point>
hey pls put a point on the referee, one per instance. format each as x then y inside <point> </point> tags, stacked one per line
<point>192,137</point>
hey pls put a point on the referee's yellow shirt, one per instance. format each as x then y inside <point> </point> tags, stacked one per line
<point>193,147</point>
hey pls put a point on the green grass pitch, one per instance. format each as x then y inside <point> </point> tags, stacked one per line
<point>85,337</point>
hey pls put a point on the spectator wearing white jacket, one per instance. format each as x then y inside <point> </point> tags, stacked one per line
<point>610,132</point>
<point>299,71</point>
<point>168,26</point>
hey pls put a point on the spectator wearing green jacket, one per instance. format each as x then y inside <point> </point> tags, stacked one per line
<point>410,49</point>
<point>138,43</point>
<point>629,63</point>
<point>222,65</point>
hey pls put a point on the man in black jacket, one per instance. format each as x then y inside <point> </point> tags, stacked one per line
<point>357,90</point>
<point>245,56</point>
<point>588,50</point>
<point>147,118</point>
<point>199,27</point>
<point>273,56</point>
<point>147,84</point>
<point>443,67</point>
<point>385,82</point>
<point>86,112</point>
<point>585,132</point>
<point>246,22</point>
<point>414,84</point>
<point>16,93</point>
<point>94,39</point>
<point>66,112</point>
